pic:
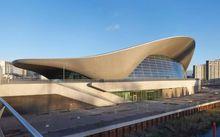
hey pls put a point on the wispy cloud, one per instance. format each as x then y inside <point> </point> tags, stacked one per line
<point>113,27</point>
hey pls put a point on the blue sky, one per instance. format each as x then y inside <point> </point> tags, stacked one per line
<point>75,28</point>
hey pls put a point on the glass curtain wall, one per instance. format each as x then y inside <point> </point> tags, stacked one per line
<point>140,95</point>
<point>158,67</point>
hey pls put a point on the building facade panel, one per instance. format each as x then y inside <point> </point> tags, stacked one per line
<point>199,72</point>
<point>208,71</point>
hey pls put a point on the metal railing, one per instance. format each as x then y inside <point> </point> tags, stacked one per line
<point>23,81</point>
<point>21,120</point>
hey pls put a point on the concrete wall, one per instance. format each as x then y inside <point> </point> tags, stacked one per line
<point>174,92</point>
<point>81,92</point>
<point>51,88</point>
<point>148,85</point>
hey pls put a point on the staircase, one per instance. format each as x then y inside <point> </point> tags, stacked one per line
<point>87,89</point>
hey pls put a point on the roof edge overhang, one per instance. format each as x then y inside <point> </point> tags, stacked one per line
<point>118,64</point>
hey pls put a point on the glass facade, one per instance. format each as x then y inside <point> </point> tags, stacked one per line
<point>140,95</point>
<point>63,74</point>
<point>74,75</point>
<point>158,67</point>
<point>70,75</point>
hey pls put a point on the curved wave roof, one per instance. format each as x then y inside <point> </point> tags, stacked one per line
<point>115,65</point>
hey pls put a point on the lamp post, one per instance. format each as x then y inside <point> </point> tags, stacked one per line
<point>0,75</point>
<point>64,72</point>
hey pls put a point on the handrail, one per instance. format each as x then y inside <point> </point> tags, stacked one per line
<point>31,129</point>
<point>84,80</point>
<point>91,86</point>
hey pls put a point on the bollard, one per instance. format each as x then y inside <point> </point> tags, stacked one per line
<point>213,129</point>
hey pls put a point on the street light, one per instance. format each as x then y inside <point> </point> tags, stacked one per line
<point>64,72</point>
